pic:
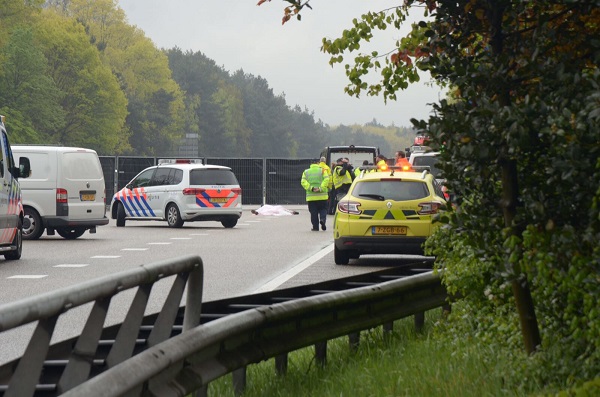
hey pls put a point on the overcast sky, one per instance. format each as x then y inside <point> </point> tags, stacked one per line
<point>238,34</point>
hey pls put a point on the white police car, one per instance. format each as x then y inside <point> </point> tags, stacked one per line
<point>180,191</point>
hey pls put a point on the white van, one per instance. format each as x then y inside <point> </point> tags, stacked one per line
<point>64,193</point>
<point>11,206</point>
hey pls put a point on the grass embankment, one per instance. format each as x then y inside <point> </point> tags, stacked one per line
<point>405,363</point>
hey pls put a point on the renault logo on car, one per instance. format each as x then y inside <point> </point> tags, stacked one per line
<point>389,205</point>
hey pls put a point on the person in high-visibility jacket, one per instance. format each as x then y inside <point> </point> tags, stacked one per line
<point>315,181</point>
<point>342,176</point>
<point>360,169</point>
<point>401,161</point>
<point>381,162</point>
<point>327,170</point>
<point>330,189</point>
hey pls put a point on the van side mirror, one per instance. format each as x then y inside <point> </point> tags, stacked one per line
<point>24,167</point>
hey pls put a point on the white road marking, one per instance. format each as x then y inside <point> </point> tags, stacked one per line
<point>106,256</point>
<point>181,238</point>
<point>25,276</point>
<point>277,281</point>
<point>134,249</point>
<point>71,265</point>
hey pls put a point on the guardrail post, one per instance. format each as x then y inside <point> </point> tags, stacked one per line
<point>419,321</point>
<point>354,341</point>
<point>201,392</point>
<point>193,301</point>
<point>321,353</point>
<point>388,327</point>
<point>281,364</point>
<point>446,310</point>
<point>239,381</point>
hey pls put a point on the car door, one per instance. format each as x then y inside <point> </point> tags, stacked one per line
<point>5,193</point>
<point>158,191</point>
<point>135,197</point>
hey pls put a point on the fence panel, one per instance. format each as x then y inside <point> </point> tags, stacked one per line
<point>249,173</point>
<point>283,181</point>
<point>108,168</point>
<point>130,167</point>
<point>268,181</point>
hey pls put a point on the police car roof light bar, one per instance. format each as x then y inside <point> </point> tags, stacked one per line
<point>179,161</point>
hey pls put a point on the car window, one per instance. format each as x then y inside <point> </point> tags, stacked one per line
<point>5,139</point>
<point>143,179</point>
<point>430,161</point>
<point>212,176</point>
<point>167,176</point>
<point>438,189</point>
<point>396,190</point>
<point>175,177</point>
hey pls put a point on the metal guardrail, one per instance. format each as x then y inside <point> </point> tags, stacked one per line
<point>20,378</point>
<point>152,355</point>
<point>187,362</point>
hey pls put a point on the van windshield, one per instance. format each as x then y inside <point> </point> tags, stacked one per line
<point>355,156</point>
<point>430,161</point>
<point>82,165</point>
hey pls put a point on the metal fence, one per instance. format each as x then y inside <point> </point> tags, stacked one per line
<point>263,180</point>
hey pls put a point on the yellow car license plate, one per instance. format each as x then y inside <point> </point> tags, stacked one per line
<point>219,200</point>
<point>88,197</point>
<point>401,230</point>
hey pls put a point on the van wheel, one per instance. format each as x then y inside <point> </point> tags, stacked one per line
<point>120,214</point>
<point>229,223</point>
<point>173,216</point>
<point>340,257</point>
<point>71,233</point>
<point>32,224</point>
<point>18,243</point>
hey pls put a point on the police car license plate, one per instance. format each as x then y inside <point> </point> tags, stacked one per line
<point>88,197</point>
<point>219,200</point>
<point>400,230</point>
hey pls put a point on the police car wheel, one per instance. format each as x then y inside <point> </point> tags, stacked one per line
<point>229,223</point>
<point>18,243</point>
<point>340,257</point>
<point>173,216</point>
<point>33,227</point>
<point>71,233</point>
<point>120,215</point>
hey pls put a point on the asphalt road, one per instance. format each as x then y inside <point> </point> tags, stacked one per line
<point>261,253</point>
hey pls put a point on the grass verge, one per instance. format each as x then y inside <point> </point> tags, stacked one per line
<point>403,363</point>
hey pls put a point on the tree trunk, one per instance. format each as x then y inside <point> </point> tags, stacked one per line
<point>510,194</point>
<point>520,285</point>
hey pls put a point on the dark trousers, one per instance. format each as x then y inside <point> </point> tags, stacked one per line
<point>318,212</point>
<point>332,202</point>
<point>334,194</point>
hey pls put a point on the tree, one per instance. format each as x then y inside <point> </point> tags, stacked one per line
<point>94,105</point>
<point>521,151</point>
<point>155,101</point>
<point>26,88</point>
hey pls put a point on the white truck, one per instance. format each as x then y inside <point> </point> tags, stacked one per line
<point>65,193</point>
<point>11,206</point>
